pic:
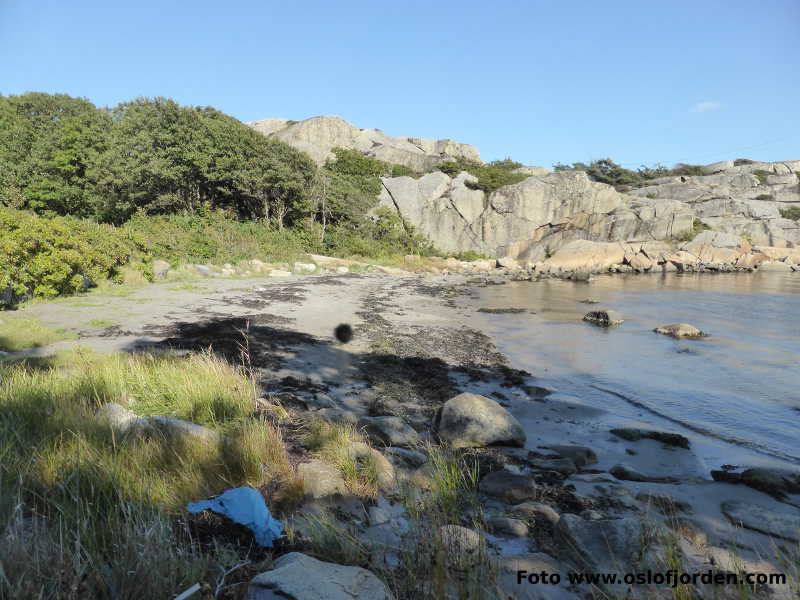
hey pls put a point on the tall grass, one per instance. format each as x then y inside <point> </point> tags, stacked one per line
<point>18,333</point>
<point>86,512</point>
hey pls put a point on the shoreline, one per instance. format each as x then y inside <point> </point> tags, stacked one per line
<point>415,348</point>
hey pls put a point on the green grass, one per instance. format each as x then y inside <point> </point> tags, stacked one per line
<point>697,227</point>
<point>332,443</point>
<point>17,333</point>
<point>793,213</point>
<point>102,323</point>
<point>762,176</point>
<point>85,512</point>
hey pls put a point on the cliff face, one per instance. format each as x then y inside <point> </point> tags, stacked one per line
<point>744,200</point>
<point>531,218</point>
<point>318,135</point>
<point>539,215</point>
<point>536,217</point>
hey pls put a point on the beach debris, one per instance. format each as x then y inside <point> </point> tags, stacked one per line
<point>245,506</point>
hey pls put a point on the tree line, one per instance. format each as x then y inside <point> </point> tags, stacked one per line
<point>61,155</point>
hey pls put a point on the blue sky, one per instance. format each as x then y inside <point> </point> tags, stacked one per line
<point>540,81</point>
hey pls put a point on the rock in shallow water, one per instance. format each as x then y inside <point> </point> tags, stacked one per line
<point>604,318</point>
<point>473,421</point>
<point>632,434</point>
<point>680,330</point>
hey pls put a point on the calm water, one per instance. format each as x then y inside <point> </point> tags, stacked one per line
<point>737,392</point>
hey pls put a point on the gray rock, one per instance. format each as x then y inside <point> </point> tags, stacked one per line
<point>559,465</point>
<point>120,419</point>
<point>321,479</point>
<point>606,545</point>
<point>664,504</point>
<point>463,547</point>
<point>760,518</point>
<point>633,434</point>
<point>626,473</point>
<point>160,268</point>
<point>301,577</point>
<point>389,431</point>
<point>470,420</point>
<point>342,416</point>
<point>410,459</point>
<point>318,136</point>
<point>509,487</point>
<point>680,330</point>
<point>385,471</point>
<point>203,270</point>
<point>507,262</point>
<point>604,317</point>
<point>508,527</point>
<point>535,511</point>
<point>776,482</point>
<point>180,429</point>
<point>580,455</point>
<point>541,568</point>
<point>774,266</point>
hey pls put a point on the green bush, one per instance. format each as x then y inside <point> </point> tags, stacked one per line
<point>491,176</point>
<point>762,176</point>
<point>793,213</point>
<point>51,256</point>
<point>764,197</point>
<point>607,171</point>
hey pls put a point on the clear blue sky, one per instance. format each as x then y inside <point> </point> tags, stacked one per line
<point>540,81</point>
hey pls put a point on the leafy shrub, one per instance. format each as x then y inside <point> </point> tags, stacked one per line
<point>48,257</point>
<point>491,176</point>
<point>793,213</point>
<point>764,197</point>
<point>697,227</point>
<point>742,161</point>
<point>607,171</point>
<point>762,176</point>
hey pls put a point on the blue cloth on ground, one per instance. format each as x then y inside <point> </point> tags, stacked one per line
<point>245,506</point>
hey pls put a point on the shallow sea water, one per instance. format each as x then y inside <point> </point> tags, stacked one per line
<point>736,392</point>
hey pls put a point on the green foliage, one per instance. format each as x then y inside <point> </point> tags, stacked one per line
<point>742,161</point>
<point>762,176</point>
<point>793,213</point>
<point>61,155</point>
<point>48,146</point>
<point>48,257</point>
<point>491,176</point>
<point>607,171</point>
<point>697,227</point>
<point>764,197</point>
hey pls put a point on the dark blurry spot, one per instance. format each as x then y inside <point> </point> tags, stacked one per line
<point>343,333</point>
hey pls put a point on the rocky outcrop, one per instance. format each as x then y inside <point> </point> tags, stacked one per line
<point>549,211</point>
<point>319,135</point>
<point>742,200</point>
<point>529,219</point>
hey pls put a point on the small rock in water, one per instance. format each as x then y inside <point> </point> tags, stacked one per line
<point>604,317</point>
<point>680,330</point>
<point>634,435</point>
<point>627,474</point>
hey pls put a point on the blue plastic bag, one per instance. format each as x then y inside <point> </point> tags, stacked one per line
<point>245,506</point>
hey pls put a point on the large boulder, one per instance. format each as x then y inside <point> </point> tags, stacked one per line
<point>471,421</point>
<point>302,577</point>
<point>321,479</point>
